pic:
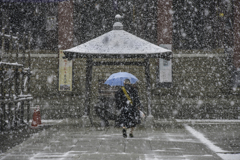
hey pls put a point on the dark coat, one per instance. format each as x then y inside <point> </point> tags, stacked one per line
<point>129,114</point>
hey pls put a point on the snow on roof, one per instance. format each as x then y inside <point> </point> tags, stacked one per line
<point>10,64</point>
<point>117,42</point>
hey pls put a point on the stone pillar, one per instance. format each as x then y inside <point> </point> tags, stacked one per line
<point>65,24</point>
<point>165,18</point>
<point>164,24</point>
<point>236,34</point>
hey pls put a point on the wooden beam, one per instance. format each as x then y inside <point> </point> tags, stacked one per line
<point>118,63</point>
<point>148,86</point>
<point>88,86</point>
<point>72,55</point>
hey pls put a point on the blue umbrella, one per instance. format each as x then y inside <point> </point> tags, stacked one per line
<point>117,79</point>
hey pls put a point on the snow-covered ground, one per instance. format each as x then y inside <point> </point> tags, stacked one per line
<point>221,153</point>
<point>51,121</point>
<point>65,140</point>
<point>208,121</point>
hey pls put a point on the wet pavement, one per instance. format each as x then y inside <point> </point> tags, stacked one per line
<point>225,136</point>
<point>68,141</point>
<point>14,136</point>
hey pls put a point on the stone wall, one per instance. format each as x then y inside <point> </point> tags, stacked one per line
<point>44,83</point>
<point>200,87</point>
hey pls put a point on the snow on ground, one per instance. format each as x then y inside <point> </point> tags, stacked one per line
<point>51,121</point>
<point>208,121</point>
<point>204,140</point>
<point>230,156</point>
<point>210,145</point>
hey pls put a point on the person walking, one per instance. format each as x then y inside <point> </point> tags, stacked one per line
<point>127,101</point>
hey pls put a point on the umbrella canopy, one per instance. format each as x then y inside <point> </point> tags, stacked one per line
<point>117,79</point>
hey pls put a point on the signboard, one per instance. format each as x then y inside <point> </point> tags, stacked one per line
<point>51,23</point>
<point>165,71</point>
<point>65,73</point>
<point>236,78</point>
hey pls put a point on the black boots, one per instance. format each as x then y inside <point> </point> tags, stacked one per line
<point>131,135</point>
<point>124,133</point>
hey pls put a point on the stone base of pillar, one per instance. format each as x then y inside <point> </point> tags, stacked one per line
<point>85,121</point>
<point>149,121</point>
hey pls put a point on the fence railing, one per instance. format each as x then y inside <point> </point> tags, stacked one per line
<point>15,76</point>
